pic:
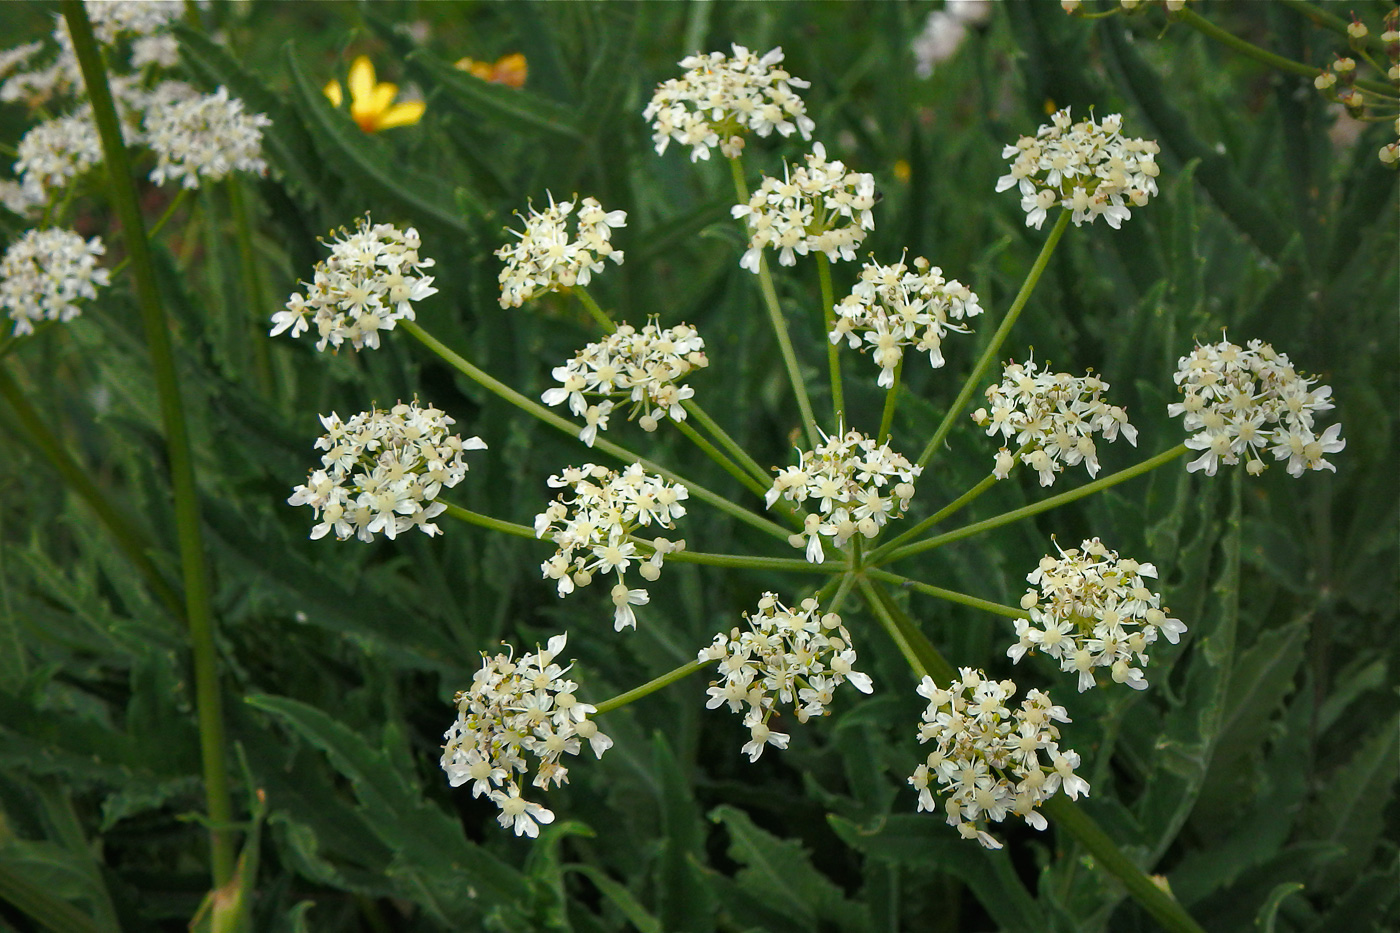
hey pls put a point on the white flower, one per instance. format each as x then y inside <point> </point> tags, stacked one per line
<point>944,30</point>
<point>206,137</point>
<point>55,152</point>
<point>46,273</point>
<point>546,257</point>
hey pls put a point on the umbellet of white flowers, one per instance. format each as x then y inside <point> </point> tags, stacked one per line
<point>990,761</point>
<point>1093,612</point>
<point>895,307</point>
<point>1241,401</point>
<point>546,257</point>
<point>368,284</point>
<point>794,656</point>
<point>592,523</point>
<point>640,366</point>
<point>816,207</point>
<point>53,153</point>
<point>382,471</point>
<point>45,273</point>
<point>515,707</point>
<point>721,97</point>
<point>206,137</point>
<point>1089,168</point>
<point>1056,414</point>
<point>855,484</point>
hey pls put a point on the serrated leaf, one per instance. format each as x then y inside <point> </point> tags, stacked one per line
<point>622,899</point>
<point>1349,808</point>
<point>683,900</point>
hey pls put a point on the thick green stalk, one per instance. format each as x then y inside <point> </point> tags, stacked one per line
<point>175,204</point>
<point>989,354</point>
<point>485,379</point>
<point>833,355</point>
<point>651,686</point>
<point>891,397</point>
<point>986,605</point>
<point>253,292</point>
<point>486,521</point>
<point>122,191</point>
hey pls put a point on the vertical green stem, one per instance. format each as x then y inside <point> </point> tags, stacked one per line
<point>702,417</point>
<point>923,657</point>
<point>891,399</point>
<point>252,285</point>
<point>833,355</point>
<point>122,191</point>
<point>975,377</point>
<point>595,309</point>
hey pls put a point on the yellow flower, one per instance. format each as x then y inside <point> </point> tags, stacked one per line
<point>510,70</point>
<point>372,104</point>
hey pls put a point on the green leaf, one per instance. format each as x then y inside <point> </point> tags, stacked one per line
<point>684,902</point>
<point>517,109</point>
<point>622,899</point>
<point>1268,914</point>
<point>1349,808</point>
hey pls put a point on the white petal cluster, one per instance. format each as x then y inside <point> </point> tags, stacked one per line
<point>640,366</point>
<point>593,522</point>
<point>855,485</point>
<point>382,471</point>
<point>368,284</point>
<point>519,707</point>
<point>54,152</point>
<point>817,207</point>
<point>44,275</point>
<point>989,760</point>
<point>1054,416</point>
<point>546,256</point>
<point>1089,168</point>
<point>895,307</point>
<point>1093,611</point>
<point>1241,400</point>
<point>721,97</point>
<point>205,138</point>
<point>794,656</point>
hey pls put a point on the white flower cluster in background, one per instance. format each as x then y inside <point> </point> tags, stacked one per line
<point>44,275</point>
<point>1089,168</point>
<point>547,257</point>
<point>817,207</point>
<point>592,522</point>
<point>990,761</point>
<point>518,707</point>
<point>1093,611</point>
<point>720,97</point>
<point>55,152</point>
<point>855,484</point>
<point>1243,400</point>
<point>895,307</point>
<point>794,656</point>
<point>1056,414</point>
<point>368,284</point>
<point>944,31</point>
<point>382,471</point>
<point>206,137</point>
<point>641,366</point>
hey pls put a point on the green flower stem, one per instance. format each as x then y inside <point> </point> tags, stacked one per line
<point>651,686</point>
<point>1068,816</point>
<point>775,317</point>
<point>790,564</point>
<point>986,605</point>
<point>595,309</point>
<point>132,542</point>
<point>922,656</point>
<point>1335,23</point>
<point>891,396</point>
<point>486,521</point>
<point>693,408</point>
<point>844,585</point>
<point>458,362</point>
<point>175,204</point>
<point>1036,508</point>
<point>833,356</point>
<point>253,291</point>
<point>122,191</point>
<point>989,354</point>
<point>730,467</point>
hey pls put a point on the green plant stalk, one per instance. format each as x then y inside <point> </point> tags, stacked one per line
<point>730,445</point>
<point>789,564</point>
<point>175,204</point>
<point>595,309</point>
<point>1036,508</point>
<point>122,191</point>
<point>729,466</point>
<point>39,904</point>
<point>486,521</point>
<point>650,687</point>
<point>487,381</point>
<point>891,398</point>
<point>775,317</point>
<point>952,596</point>
<point>833,355</point>
<point>923,657</point>
<point>253,291</point>
<point>998,338</point>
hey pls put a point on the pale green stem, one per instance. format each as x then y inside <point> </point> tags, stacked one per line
<point>175,204</point>
<point>198,614</point>
<point>833,355</point>
<point>988,355</point>
<point>951,596</point>
<point>891,395</point>
<point>480,376</point>
<point>1045,505</point>
<point>843,589</point>
<point>918,651</point>
<point>693,408</point>
<point>650,687</point>
<point>595,309</point>
<point>730,467</point>
<point>775,317</point>
<point>486,521</point>
<point>252,286</point>
<point>789,564</point>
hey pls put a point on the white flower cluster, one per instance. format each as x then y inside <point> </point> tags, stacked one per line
<point>1056,414</point>
<point>640,365</point>
<point>517,707</point>
<point>1241,400</point>
<point>367,285</point>
<point>846,477</point>
<point>382,471</point>
<point>592,529</point>
<point>1094,610</point>
<point>206,137</point>
<point>796,656</point>
<point>546,258</point>
<point>989,760</point>
<point>55,152</point>
<point>1088,168</point>
<point>45,273</point>
<point>819,206</point>
<point>894,307</point>
<point>721,97</point>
